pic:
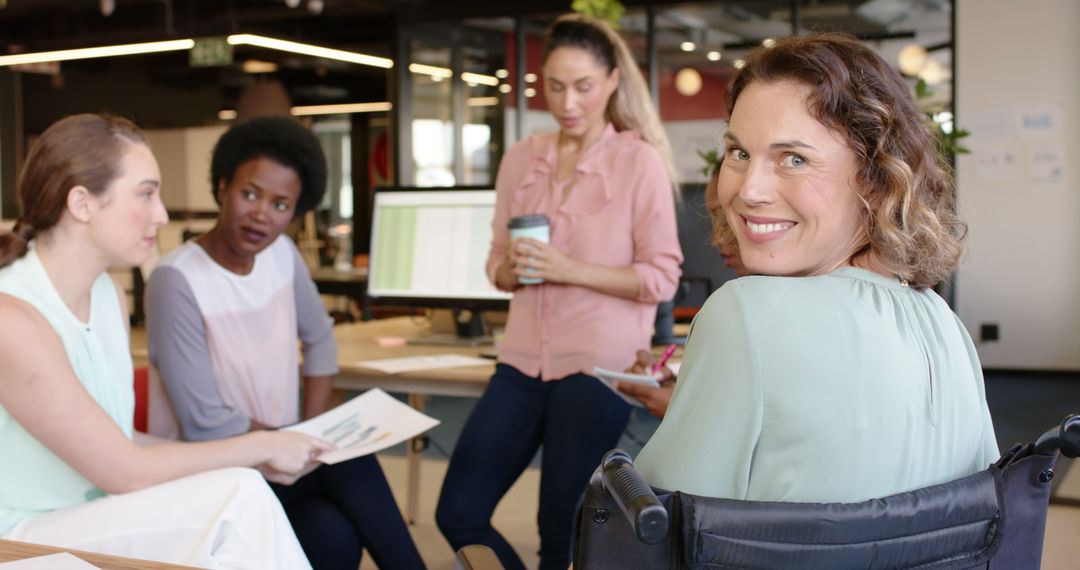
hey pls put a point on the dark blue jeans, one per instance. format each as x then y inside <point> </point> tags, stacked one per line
<point>337,510</point>
<point>577,419</point>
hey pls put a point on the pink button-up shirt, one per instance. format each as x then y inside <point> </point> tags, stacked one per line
<point>619,211</point>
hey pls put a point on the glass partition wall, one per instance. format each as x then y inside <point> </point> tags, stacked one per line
<point>452,133</point>
<point>466,88</point>
<point>474,86</point>
<point>688,52</point>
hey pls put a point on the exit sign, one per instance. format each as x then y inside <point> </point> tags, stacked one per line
<point>209,52</point>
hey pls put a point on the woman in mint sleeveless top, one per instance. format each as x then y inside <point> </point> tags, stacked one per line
<point>71,475</point>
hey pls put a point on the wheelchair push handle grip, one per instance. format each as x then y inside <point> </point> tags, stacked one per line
<point>635,498</point>
<point>1070,436</point>
<point>1065,438</point>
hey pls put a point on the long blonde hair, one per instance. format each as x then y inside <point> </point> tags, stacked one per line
<point>630,107</point>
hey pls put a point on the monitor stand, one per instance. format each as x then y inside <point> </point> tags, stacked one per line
<point>470,327</point>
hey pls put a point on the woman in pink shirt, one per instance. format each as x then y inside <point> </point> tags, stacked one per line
<point>604,181</point>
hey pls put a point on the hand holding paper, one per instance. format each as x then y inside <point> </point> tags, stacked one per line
<point>647,384</point>
<point>365,424</point>
<point>656,400</point>
<point>646,363</point>
<point>609,377</point>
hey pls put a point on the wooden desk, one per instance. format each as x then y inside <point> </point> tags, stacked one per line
<point>356,342</point>
<point>12,550</point>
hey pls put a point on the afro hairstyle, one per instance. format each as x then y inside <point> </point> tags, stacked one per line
<point>281,139</point>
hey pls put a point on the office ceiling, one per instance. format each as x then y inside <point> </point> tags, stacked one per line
<point>368,26</point>
<point>45,24</point>
<point>361,25</point>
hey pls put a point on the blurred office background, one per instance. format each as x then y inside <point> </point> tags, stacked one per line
<point>425,93</point>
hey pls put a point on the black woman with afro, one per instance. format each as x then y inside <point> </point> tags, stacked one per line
<point>224,312</point>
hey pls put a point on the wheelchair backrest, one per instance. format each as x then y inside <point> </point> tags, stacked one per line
<point>992,519</point>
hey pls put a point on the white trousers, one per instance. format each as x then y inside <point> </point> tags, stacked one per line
<point>228,518</point>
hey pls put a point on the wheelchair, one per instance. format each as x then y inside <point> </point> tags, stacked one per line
<point>993,519</point>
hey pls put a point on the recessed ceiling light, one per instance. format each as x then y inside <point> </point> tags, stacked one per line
<point>258,66</point>
<point>94,52</point>
<point>482,101</point>
<point>688,82</point>
<point>911,59</point>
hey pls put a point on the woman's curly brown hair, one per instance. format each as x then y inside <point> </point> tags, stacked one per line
<point>912,226</point>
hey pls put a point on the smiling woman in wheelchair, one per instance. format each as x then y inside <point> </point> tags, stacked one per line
<point>834,373</point>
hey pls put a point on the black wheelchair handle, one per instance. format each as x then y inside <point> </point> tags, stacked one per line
<point>634,496</point>
<point>1065,438</point>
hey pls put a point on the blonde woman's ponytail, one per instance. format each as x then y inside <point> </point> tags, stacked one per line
<point>631,107</point>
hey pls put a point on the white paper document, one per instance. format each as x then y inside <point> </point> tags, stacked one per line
<point>609,376</point>
<point>58,561</point>
<point>365,424</point>
<point>414,363</point>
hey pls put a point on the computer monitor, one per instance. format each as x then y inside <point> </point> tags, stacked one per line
<point>429,249</point>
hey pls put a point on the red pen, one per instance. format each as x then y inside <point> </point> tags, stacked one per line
<point>663,359</point>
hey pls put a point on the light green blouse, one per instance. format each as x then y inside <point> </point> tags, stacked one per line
<point>836,388</point>
<point>33,480</point>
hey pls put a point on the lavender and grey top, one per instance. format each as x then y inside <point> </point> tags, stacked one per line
<point>224,345</point>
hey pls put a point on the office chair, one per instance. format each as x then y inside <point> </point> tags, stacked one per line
<point>691,293</point>
<point>992,519</point>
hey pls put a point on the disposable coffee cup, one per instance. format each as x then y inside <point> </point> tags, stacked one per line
<point>535,226</point>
